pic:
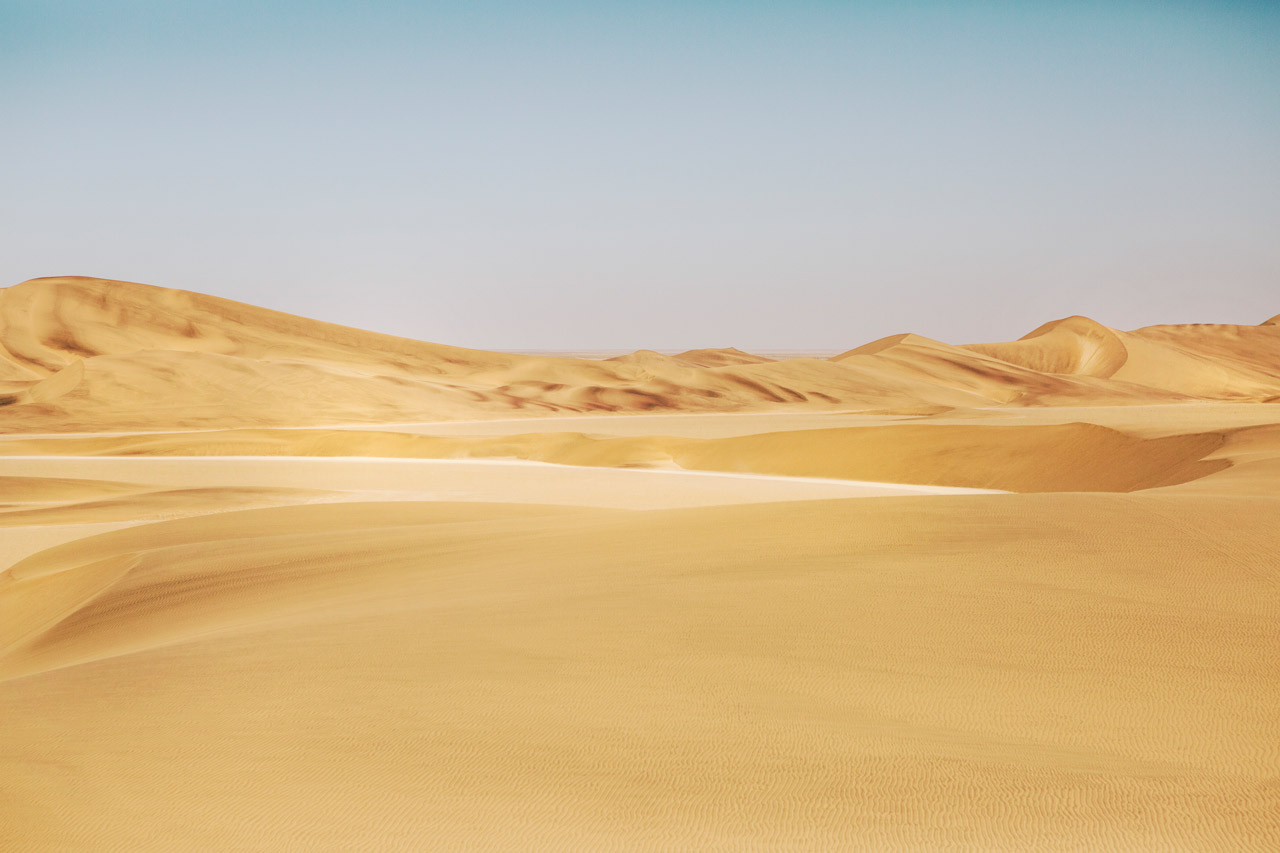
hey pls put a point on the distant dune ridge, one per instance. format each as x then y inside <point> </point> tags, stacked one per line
<point>93,354</point>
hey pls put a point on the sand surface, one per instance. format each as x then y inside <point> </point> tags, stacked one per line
<point>271,584</point>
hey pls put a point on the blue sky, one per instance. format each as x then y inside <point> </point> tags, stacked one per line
<point>666,175</point>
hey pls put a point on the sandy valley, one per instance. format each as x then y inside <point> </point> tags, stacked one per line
<point>270,583</point>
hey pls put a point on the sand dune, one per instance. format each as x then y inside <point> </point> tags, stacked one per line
<point>172,503</point>
<point>1066,457</point>
<point>268,583</point>
<point>169,487</point>
<point>1076,345</point>
<point>79,353</point>
<point>688,691</point>
<point>39,490</point>
<point>720,357</point>
<point>185,485</point>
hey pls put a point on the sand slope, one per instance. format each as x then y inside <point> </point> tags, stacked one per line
<point>927,673</point>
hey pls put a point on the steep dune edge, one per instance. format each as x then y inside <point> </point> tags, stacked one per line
<point>33,602</point>
<point>125,591</point>
<point>1178,362</point>
<point>1067,457</point>
<point>1075,345</point>
<point>1020,380</point>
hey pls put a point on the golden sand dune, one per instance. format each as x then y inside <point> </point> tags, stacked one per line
<point>1066,457</point>
<point>267,583</point>
<point>720,357</point>
<point>1076,345</point>
<point>431,676</point>
<point>38,490</point>
<point>52,323</point>
<point>157,504</point>
<point>79,353</point>
<point>1205,361</point>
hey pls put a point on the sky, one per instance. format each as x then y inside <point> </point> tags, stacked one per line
<point>612,175</point>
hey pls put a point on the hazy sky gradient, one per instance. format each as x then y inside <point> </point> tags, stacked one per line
<point>666,175</point>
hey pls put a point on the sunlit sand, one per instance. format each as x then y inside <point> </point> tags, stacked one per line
<point>269,583</point>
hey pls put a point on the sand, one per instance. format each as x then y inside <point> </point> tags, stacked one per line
<point>82,354</point>
<point>1015,596</point>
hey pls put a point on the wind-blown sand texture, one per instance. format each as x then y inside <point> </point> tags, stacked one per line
<point>268,583</point>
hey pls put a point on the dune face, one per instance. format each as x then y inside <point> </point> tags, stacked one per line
<point>268,583</point>
<point>1076,345</point>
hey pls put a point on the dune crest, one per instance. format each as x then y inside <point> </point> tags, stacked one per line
<point>1076,345</point>
<point>720,357</point>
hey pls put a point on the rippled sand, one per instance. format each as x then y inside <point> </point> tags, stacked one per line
<point>930,627</point>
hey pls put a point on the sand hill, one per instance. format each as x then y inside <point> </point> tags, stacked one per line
<point>90,354</point>
<point>268,583</point>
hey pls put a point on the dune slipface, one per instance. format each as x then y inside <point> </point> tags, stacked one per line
<point>268,583</point>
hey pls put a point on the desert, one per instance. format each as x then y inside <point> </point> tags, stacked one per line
<point>272,583</point>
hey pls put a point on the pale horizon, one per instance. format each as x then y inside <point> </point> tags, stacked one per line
<point>764,176</point>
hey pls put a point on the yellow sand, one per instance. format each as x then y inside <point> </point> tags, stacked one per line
<point>729,623</point>
<point>91,354</point>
